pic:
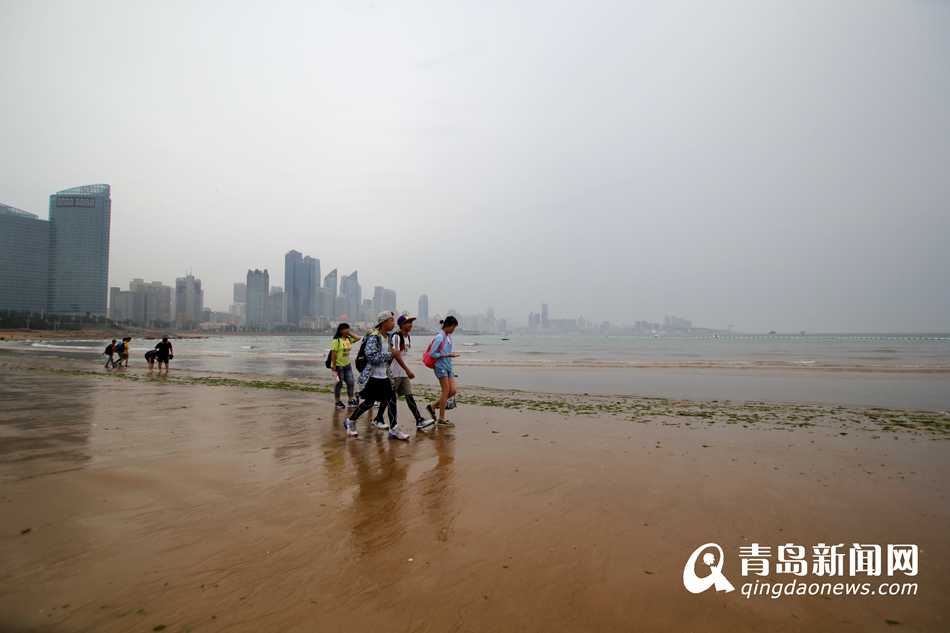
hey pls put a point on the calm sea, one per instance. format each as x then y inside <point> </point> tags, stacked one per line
<point>875,369</point>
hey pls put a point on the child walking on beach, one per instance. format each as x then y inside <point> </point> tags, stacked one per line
<point>440,356</point>
<point>400,343</point>
<point>110,355</point>
<point>340,364</point>
<point>375,376</point>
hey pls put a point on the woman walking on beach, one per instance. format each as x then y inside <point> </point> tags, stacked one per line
<point>340,364</point>
<point>440,354</point>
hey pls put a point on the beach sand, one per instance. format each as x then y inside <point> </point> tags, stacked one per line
<point>148,504</point>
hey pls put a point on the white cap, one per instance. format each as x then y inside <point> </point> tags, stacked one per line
<point>385,315</point>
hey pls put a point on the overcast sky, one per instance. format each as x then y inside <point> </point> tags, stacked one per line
<point>771,165</point>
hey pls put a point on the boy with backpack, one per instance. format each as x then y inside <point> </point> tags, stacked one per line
<point>372,362</point>
<point>400,342</point>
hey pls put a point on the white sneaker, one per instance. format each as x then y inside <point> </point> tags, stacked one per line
<point>350,427</point>
<point>398,434</point>
<point>425,425</point>
<point>382,426</point>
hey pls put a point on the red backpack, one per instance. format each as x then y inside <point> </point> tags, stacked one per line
<point>427,360</point>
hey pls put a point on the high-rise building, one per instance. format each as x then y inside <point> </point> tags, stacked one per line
<point>423,311</point>
<point>384,299</point>
<point>148,304</point>
<point>389,300</point>
<point>301,286</point>
<point>311,306</point>
<point>351,296</point>
<point>189,301</point>
<point>24,261</point>
<point>240,293</point>
<point>79,250</point>
<point>544,316</point>
<point>258,289</point>
<point>328,299</point>
<point>276,308</point>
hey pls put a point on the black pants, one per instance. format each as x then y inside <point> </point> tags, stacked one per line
<point>391,407</point>
<point>376,390</point>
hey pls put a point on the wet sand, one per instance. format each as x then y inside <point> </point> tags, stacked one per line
<point>153,503</point>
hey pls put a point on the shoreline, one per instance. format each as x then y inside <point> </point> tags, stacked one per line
<point>640,409</point>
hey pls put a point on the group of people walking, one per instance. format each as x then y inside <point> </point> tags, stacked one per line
<point>384,372</point>
<point>117,353</point>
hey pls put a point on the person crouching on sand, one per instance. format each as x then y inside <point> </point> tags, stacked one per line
<point>440,350</point>
<point>375,376</point>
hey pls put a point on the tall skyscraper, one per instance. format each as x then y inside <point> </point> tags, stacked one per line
<point>328,298</point>
<point>189,301</point>
<point>293,282</point>
<point>351,296</point>
<point>79,250</point>
<point>545,321</point>
<point>301,286</point>
<point>311,267</point>
<point>258,290</point>
<point>423,311</point>
<point>24,261</point>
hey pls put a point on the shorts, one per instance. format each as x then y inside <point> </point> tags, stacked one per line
<point>443,372</point>
<point>377,390</point>
<point>402,386</point>
<point>162,359</point>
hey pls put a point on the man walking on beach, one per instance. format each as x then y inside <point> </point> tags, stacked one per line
<point>375,376</point>
<point>400,342</point>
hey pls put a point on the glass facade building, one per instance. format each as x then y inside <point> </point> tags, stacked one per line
<point>24,260</point>
<point>79,250</point>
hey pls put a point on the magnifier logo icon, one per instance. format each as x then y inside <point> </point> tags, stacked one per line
<point>715,577</point>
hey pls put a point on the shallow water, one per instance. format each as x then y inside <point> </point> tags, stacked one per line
<point>904,371</point>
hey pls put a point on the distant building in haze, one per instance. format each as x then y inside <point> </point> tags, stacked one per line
<point>24,261</point>
<point>80,221</point>
<point>148,304</point>
<point>301,287</point>
<point>423,310</point>
<point>240,293</point>
<point>328,297</point>
<point>189,301</point>
<point>351,296</point>
<point>275,309</point>
<point>258,290</point>
<point>384,299</point>
<point>544,316</point>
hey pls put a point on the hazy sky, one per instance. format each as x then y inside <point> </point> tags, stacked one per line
<point>772,165</point>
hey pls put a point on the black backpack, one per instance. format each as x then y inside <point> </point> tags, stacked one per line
<point>329,356</point>
<point>361,355</point>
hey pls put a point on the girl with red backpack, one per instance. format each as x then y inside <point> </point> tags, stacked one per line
<point>438,356</point>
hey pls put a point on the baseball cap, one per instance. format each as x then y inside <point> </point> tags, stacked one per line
<point>385,315</point>
<point>405,318</point>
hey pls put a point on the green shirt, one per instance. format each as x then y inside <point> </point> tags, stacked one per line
<point>342,348</point>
